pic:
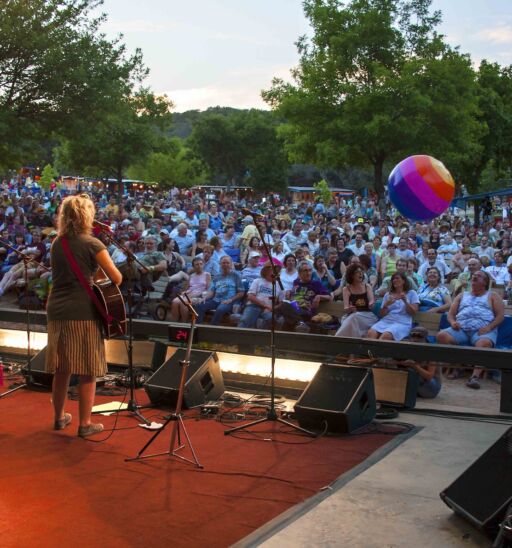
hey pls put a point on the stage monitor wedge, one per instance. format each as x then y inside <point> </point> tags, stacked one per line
<point>340,398</point>
<point>483,492</point>
<point>204,380</point>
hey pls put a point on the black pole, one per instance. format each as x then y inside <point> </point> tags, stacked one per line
<point>271,413</point>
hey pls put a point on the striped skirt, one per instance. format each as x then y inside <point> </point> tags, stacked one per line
<point>76,346</point>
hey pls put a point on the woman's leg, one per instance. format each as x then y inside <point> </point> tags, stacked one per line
<point>86,391</point>
<point>184,313</point>
<point>175,310</point>
<point>387,336</point>
<point>59,393</point>
<point>372,334</point>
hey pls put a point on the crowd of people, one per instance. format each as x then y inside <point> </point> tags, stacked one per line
<point>381,266</point>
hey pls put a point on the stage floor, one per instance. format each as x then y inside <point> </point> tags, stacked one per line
<point>394,500</point>
<point>59,490</point>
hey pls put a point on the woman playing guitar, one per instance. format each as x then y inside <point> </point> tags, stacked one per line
<point>75,343</point>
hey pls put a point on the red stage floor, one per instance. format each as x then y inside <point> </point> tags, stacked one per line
<point>59,490</point>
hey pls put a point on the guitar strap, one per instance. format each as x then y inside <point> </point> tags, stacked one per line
<point>81,278</point>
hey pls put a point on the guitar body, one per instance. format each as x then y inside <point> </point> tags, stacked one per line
<point>110,297</point>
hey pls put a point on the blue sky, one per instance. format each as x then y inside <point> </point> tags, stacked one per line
<point>223,52</point>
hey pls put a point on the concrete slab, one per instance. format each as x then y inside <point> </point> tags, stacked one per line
<point>395,503</point>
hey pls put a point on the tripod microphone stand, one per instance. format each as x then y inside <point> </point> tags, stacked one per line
<point>132,406</point>
<point>26,259</point>
<point>177,417</point>
<point>271,413</point>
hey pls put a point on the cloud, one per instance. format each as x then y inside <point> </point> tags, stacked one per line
<point>500,35</point>
<point>210,96</point>
<point>137,25</point>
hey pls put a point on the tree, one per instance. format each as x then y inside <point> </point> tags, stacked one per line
<point>243,147</point>
<point>57,70</point>
<point>174,166</point>
<point>323,191</point>
<point>47,176</point>
<point>493,161</point>
<point>125,136</point>
<point>375,83</point>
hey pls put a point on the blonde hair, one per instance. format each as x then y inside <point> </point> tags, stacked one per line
<point>76,215</point>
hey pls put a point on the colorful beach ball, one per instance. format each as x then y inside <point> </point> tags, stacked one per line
<point>421,187</point>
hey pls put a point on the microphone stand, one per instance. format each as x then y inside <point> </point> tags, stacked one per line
<point>271,413</point>
<point>132,407</point>
<point>177,416</point>
<point>26,259</point>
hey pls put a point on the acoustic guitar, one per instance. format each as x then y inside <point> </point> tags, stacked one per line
<point>111,299</point>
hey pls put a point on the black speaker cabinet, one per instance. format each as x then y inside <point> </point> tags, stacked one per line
<point>483,492</point>
<point>341,396</point>
<point>44,379</point>
<point>204,380</point>
<point>398,387</point>
<point>37,370</point>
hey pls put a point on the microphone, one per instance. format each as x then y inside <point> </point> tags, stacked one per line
<point>102,226</point>
<point>246,211</point>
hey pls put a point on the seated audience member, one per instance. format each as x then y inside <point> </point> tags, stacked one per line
<point>474,317</point>
<point>484,248</point>
<point>17,272</point>
<point>385,286</point>
<point>433,260</point>
<point>323,274</point>
<point>388,261</point>
<point>226,289</point>
<point>498,271</point>
<point>434,296</point>
<point>253,269</point>
<point>184,239</point>
<point>398,307</point>
<point>200,243</point>
<point>358,301</point>
<point>447,250</point>
<point>252,247</point>
<point>198,283</point>
<point>304,299</point>
<point>412,271</point>
<point>210,264</point>
<point>259,302</point>
<point>289,273</point>
<point>463,282</point>
<point>154,262</point>
<point>429,379</point>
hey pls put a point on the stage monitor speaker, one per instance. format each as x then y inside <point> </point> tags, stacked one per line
<point>398,387</point>
<point>37,370</point>
<point>204,380</point>
<point>483,492</point>
<point>339,396</point>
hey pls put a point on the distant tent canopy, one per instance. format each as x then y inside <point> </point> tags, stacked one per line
<point>462,201</point>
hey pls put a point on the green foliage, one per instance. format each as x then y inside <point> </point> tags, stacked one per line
<point>47,176</point>
<point>174,166</point>
<point>127,135</point>
<point>493,161</point>
<point>57,70</point>
<point>323,191</point>
<point>376,83</point>
<point>242,147</point>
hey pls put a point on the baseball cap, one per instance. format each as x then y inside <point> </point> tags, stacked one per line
<point>164,231</point>
<point>254,254</point>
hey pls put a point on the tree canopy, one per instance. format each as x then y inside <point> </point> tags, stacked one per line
<point>56,69</point>
<point>243,148</point>
<point>375,83</point>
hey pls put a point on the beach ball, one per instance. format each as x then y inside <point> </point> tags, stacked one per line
<point>421,187</point>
